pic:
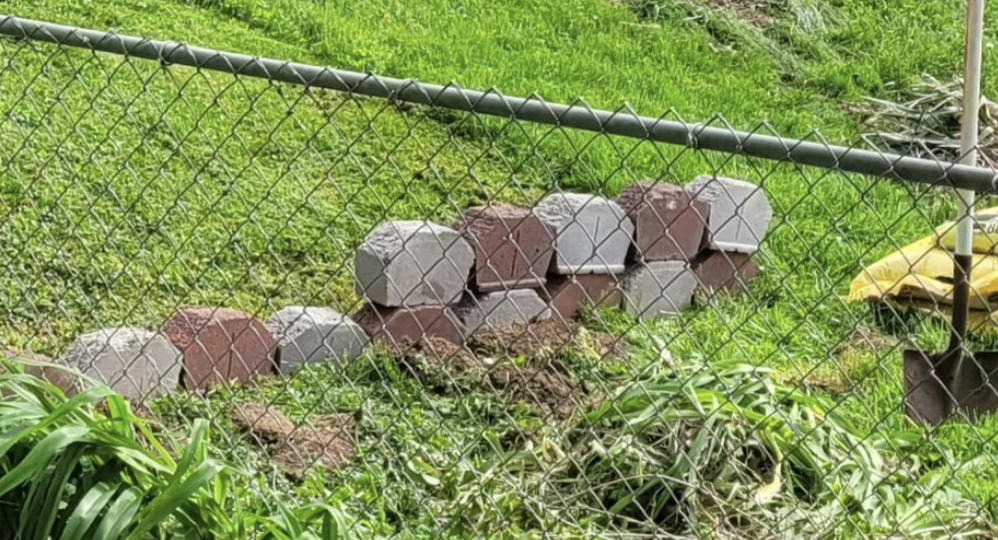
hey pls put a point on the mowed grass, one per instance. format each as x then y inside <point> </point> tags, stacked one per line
<point>130,189</point>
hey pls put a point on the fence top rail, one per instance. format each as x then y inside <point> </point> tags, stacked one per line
<point>580,116</point>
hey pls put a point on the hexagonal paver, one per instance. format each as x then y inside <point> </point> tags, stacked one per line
<point>413,263</point>
<point>133,362</point>
<point>658,289</point>
<point>592,234</point>
<point>315,334</point>
<point>500,309</point>
<point>668,223</point>
<point>221,345</point>
<point>721,271</point>
<point>566,294</point>
<point>401,326</point>
<point>739,213</point>
<point>512,247</point>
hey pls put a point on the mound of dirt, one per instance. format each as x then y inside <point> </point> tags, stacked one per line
<point>434,354</point>
<point>865,337</point>
<point>541,341</point>
<point>833,383</point>
<point>266,423</point>
<point>752,11</point>
<point>296,448</point>
<point>539,379</point>
<point>547,389</point>
<point>863,343</point>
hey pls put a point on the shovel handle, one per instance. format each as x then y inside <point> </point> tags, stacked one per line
<point>962,261</point>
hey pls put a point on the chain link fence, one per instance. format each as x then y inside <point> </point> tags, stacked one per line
<point>465,314</point>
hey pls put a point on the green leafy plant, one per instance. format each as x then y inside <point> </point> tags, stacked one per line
<point>82,467</point>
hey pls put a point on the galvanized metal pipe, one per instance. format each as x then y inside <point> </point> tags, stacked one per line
<point>963,254</point>
<point>580,117</point>
<point>969,124</point>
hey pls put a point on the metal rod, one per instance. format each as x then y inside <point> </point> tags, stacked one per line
<point>622,123</point>
<point>962,267</point>
<point>969,120</point>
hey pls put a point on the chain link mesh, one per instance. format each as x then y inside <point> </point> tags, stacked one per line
<point>132,189</point>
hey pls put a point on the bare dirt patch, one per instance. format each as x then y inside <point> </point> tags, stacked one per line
<point>548,390</point>
<point>266,423</point>
<point>296,448</point>
<point>751,11</point>
<point>520,363</point>
<point>542,341</point>
<point>434,354</point>
<point>833,383</point>
<point>868,338</point>
<point>853,355</point>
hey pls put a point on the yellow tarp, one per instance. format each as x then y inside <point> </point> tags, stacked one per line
<point>920,275</point>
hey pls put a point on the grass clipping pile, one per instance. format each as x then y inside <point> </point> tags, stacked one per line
<point>296,448</point>
<point>521,363</point>
<point>925,119</point>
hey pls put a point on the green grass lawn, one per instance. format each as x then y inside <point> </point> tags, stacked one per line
<point>130,189</point>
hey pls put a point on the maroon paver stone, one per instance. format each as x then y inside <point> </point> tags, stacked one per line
<point>512,247</point>
<point>565,294</point>
<point>669,224</point>
<point>221,345</point>
<point>724,271</point>
<point>400,326</point>
<point>57,377</point>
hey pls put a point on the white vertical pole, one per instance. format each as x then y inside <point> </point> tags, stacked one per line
<point>969,121</point>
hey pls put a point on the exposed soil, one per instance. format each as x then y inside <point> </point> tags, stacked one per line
<point>549,390</point>
<point>265,423</point>
<point>331,445</point>
<point>296,448</point>
<point>752,11</point>
<point>540,380</point>
<point>863,341</point>
<point>833,383</point>
<point>536,343</point>
<point>541,341</point>
<point>434,354</point>
<point>756,12</point>
<point>868,338</point>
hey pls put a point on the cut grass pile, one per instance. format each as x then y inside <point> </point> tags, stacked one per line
<point>924,120</point>
<point>131,188</point>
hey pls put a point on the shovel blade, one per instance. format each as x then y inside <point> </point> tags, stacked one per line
<point>927,381</point>
<point>975,385</point>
